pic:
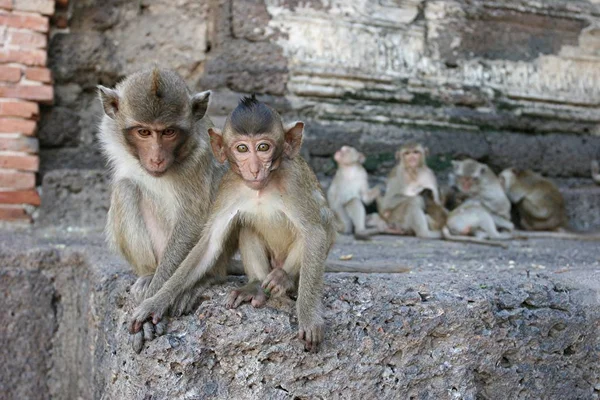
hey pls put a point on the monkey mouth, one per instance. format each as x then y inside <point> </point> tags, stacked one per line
<point>256,184</point>
<point>156,173</point>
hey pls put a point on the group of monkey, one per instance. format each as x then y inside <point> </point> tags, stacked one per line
<point>187,196</point>
<point>479,201</point>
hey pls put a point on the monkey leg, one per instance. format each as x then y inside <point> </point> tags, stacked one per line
<point>487,223</point>
<point>357,213</point>
<point>138,289</point>
<point>342,216</point>
<point>256,264</point>
<point>419,224</point>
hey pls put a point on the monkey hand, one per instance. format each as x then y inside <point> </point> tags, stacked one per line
<point>140,288</point>
<point>312,335</point>
<point>278,283</point>
<point>146,324</point>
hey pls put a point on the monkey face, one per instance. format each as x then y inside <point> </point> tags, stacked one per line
<point>412,158</point>
<point>348,155</point>
<point>154,146</point>
<point>253,158</point>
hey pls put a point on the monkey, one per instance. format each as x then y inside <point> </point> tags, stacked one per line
<point>478,182</point>
<point>349,190</point>
<point>401,207</point>
<point>485,210</point>
<point>271,206</point>
<point>595,171</point>
<point>410,176</point>
<point>540,205</point>
<point>164,177</point>
<point>438,216</point>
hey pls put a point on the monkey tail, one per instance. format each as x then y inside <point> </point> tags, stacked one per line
<point>592,236</point>
<point>469,239</point>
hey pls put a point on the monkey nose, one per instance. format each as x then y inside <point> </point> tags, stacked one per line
<point>158,162</point>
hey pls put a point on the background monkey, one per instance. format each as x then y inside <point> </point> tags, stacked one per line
<point>269,202</point>
<point>402,208</point>
<point>349,190</point>
<point>486,208</point>
<point>540,205</point>
<point>164,177</point>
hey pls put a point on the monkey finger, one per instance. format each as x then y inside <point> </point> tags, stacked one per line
<point>136,326</point>
<point>259,300</point>
<point>148,330</point>
<point>156,317</point>
<point>160,328</point>
<point>138,342</point>
<point>231,299</point>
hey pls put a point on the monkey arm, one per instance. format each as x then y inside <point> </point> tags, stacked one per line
<point>126,230</point>
<point>310,286</point>
<point>537,211</point>
<point>369,195</point>
<point>198,262</point>
<point>183,238</point>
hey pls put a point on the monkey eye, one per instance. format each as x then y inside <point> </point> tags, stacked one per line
<point>169,132</point>
<point>242,148</point>
<point>144,132</point>
<point>263,147</point>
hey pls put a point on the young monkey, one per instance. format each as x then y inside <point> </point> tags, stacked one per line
<point>271,204</point>
<point>349,190</point>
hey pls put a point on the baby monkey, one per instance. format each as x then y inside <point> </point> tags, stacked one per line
<point>349,190</point>
<point>271,205</point>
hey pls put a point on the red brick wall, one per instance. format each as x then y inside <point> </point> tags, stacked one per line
<point>24,82</point>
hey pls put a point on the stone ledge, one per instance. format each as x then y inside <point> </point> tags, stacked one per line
<point>466,322</point>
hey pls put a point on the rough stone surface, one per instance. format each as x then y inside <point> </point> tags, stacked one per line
<point>466,322</point>
<point>74,198</point>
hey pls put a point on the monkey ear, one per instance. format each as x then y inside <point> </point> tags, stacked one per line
<point>110,101</point>
<point>200,104</point>
<point>216,142</point>
<point>293,138</point>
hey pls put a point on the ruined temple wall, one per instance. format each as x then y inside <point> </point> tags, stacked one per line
<point>508,82</point>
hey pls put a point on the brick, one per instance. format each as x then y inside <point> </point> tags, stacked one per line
<point>45,7</point>
<point>40,93</point>
<point>25,21</point>
<point>28,39</point>
<point>6,4</point>
<point>24,109</point>
<point>17,125</point>
<point>10,74</point>
<point>39,74</point>
<point>12,213</point>
<point>19,143</point>
<point>20,162</point>
<point>33,57</point>
<point>20,197</point>
<point>17,180</point>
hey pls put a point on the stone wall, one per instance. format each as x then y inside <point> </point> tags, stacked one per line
<point>510,83</point>
<point>24,82</point>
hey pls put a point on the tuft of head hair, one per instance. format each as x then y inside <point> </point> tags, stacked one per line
<point>252,117</point>
<point>155,88</point>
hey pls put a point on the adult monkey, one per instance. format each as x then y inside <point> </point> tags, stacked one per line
<point>164,178</point>
<point>401,207</point>
<point>271,205</point>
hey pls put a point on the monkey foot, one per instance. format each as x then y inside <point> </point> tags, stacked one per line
<point>251,292</point>
<point>148,332</point>
<point>312,336</point>
<point>278,283</point>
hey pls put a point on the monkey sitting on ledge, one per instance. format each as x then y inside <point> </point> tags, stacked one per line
<point>164,178</point>
<point>271,205</point>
